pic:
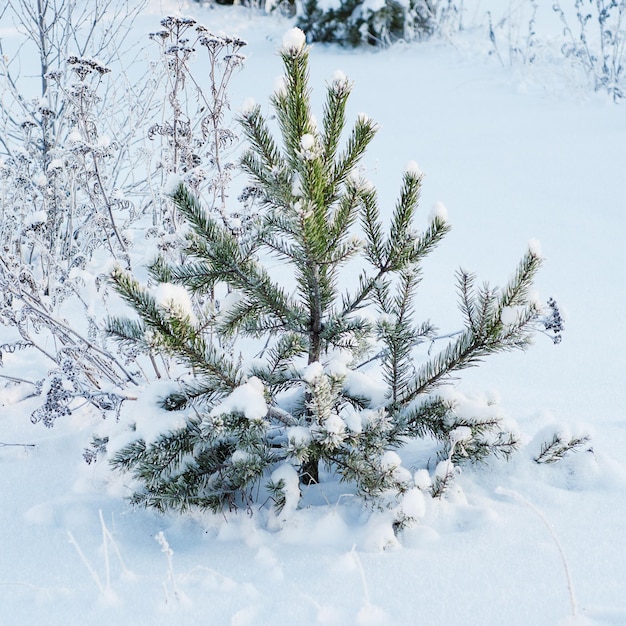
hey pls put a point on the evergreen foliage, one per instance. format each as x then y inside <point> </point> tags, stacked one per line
<point>356,22</point>
<point>559,446</point>
<point>251,424</point>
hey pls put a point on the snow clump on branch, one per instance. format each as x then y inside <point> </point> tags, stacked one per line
<point>175,298</point>
<point>534,246</point>
<point>440,211</point>
<point>248,399</point>
<point>294,41</point>
<point>413,169</point>
<point>248,107</point>
<point>340,83</point>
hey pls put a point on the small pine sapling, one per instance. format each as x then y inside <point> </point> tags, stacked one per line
<point>559,446</point>
<point>296,404</point>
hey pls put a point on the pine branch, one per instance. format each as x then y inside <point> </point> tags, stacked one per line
<point>559,447</point>
<point>250,319</point>
<point>272,183</point>
<point>177,336</point>
<point>280,244</point>
<point>467,297</point>
<point>398,334</point>
<point>292,106</point>
<point>192,393</point>
<point>334,117</point>
<point>345,333</point>
<point>399,232</point>
<point>424,244</point>
<point>362,134</point>
<point>278,372</point>
<point>127,331</point>
<point>221,258</point>
<point>515,292</point>
<point>375,249</point>
<point>387,258</point>
<point>262,144</point>
<point>128,456</point>
<point>489,334</point>
<point>426,418</point>
<point>344,217</point>
<point>367,286</point>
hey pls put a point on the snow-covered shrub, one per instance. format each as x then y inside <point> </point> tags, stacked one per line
<point>63,214</point>
<point>337,379</point>
<point>86,151</point>
<point>596,39</point>
<point>375,22</point>
<point>285,8</point>
<point>589,35</point>
<point>195,136</point>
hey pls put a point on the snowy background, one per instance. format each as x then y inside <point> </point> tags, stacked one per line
<point>515,153</point>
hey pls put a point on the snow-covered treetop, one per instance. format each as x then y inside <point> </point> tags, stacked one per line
<point>413,169</point>
<point>339,82</point>
<point>294,41</point>
<point>534,246</point>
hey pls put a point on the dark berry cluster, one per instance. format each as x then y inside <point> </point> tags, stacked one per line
<point>56,405</point>
<point>553,321</point>
<point>83,67</point>
<point>98,445</point>
<point>69,370</point>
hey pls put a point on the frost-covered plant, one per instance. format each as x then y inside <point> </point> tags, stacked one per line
<point>597,40</point>
<point>60,202</point>
<point>58,162</point>
<point>195,132</point>
<point>337,380</point>
<point>552,321</point>
<point>73,187</point>
<point>513,37</point>
<point>379,22</point>
<point>286,8</point>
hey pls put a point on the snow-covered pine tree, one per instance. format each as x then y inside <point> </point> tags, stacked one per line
<point>356,22</point>
<point>271,420</point>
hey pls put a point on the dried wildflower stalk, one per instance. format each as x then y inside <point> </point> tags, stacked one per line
<point>196,136</point>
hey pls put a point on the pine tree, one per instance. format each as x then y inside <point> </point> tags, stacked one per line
<point>356,22</point>
<point>296,407</point>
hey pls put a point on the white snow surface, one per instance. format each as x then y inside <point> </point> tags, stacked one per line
<point>515,155</point>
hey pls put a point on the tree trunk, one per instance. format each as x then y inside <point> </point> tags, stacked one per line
<point>309,472</point>
<point>310,469</point>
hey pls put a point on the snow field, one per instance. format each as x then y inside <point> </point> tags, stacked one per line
<point>509,159</point>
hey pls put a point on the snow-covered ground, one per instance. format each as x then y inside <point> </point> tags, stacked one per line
<point>514,153</point>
